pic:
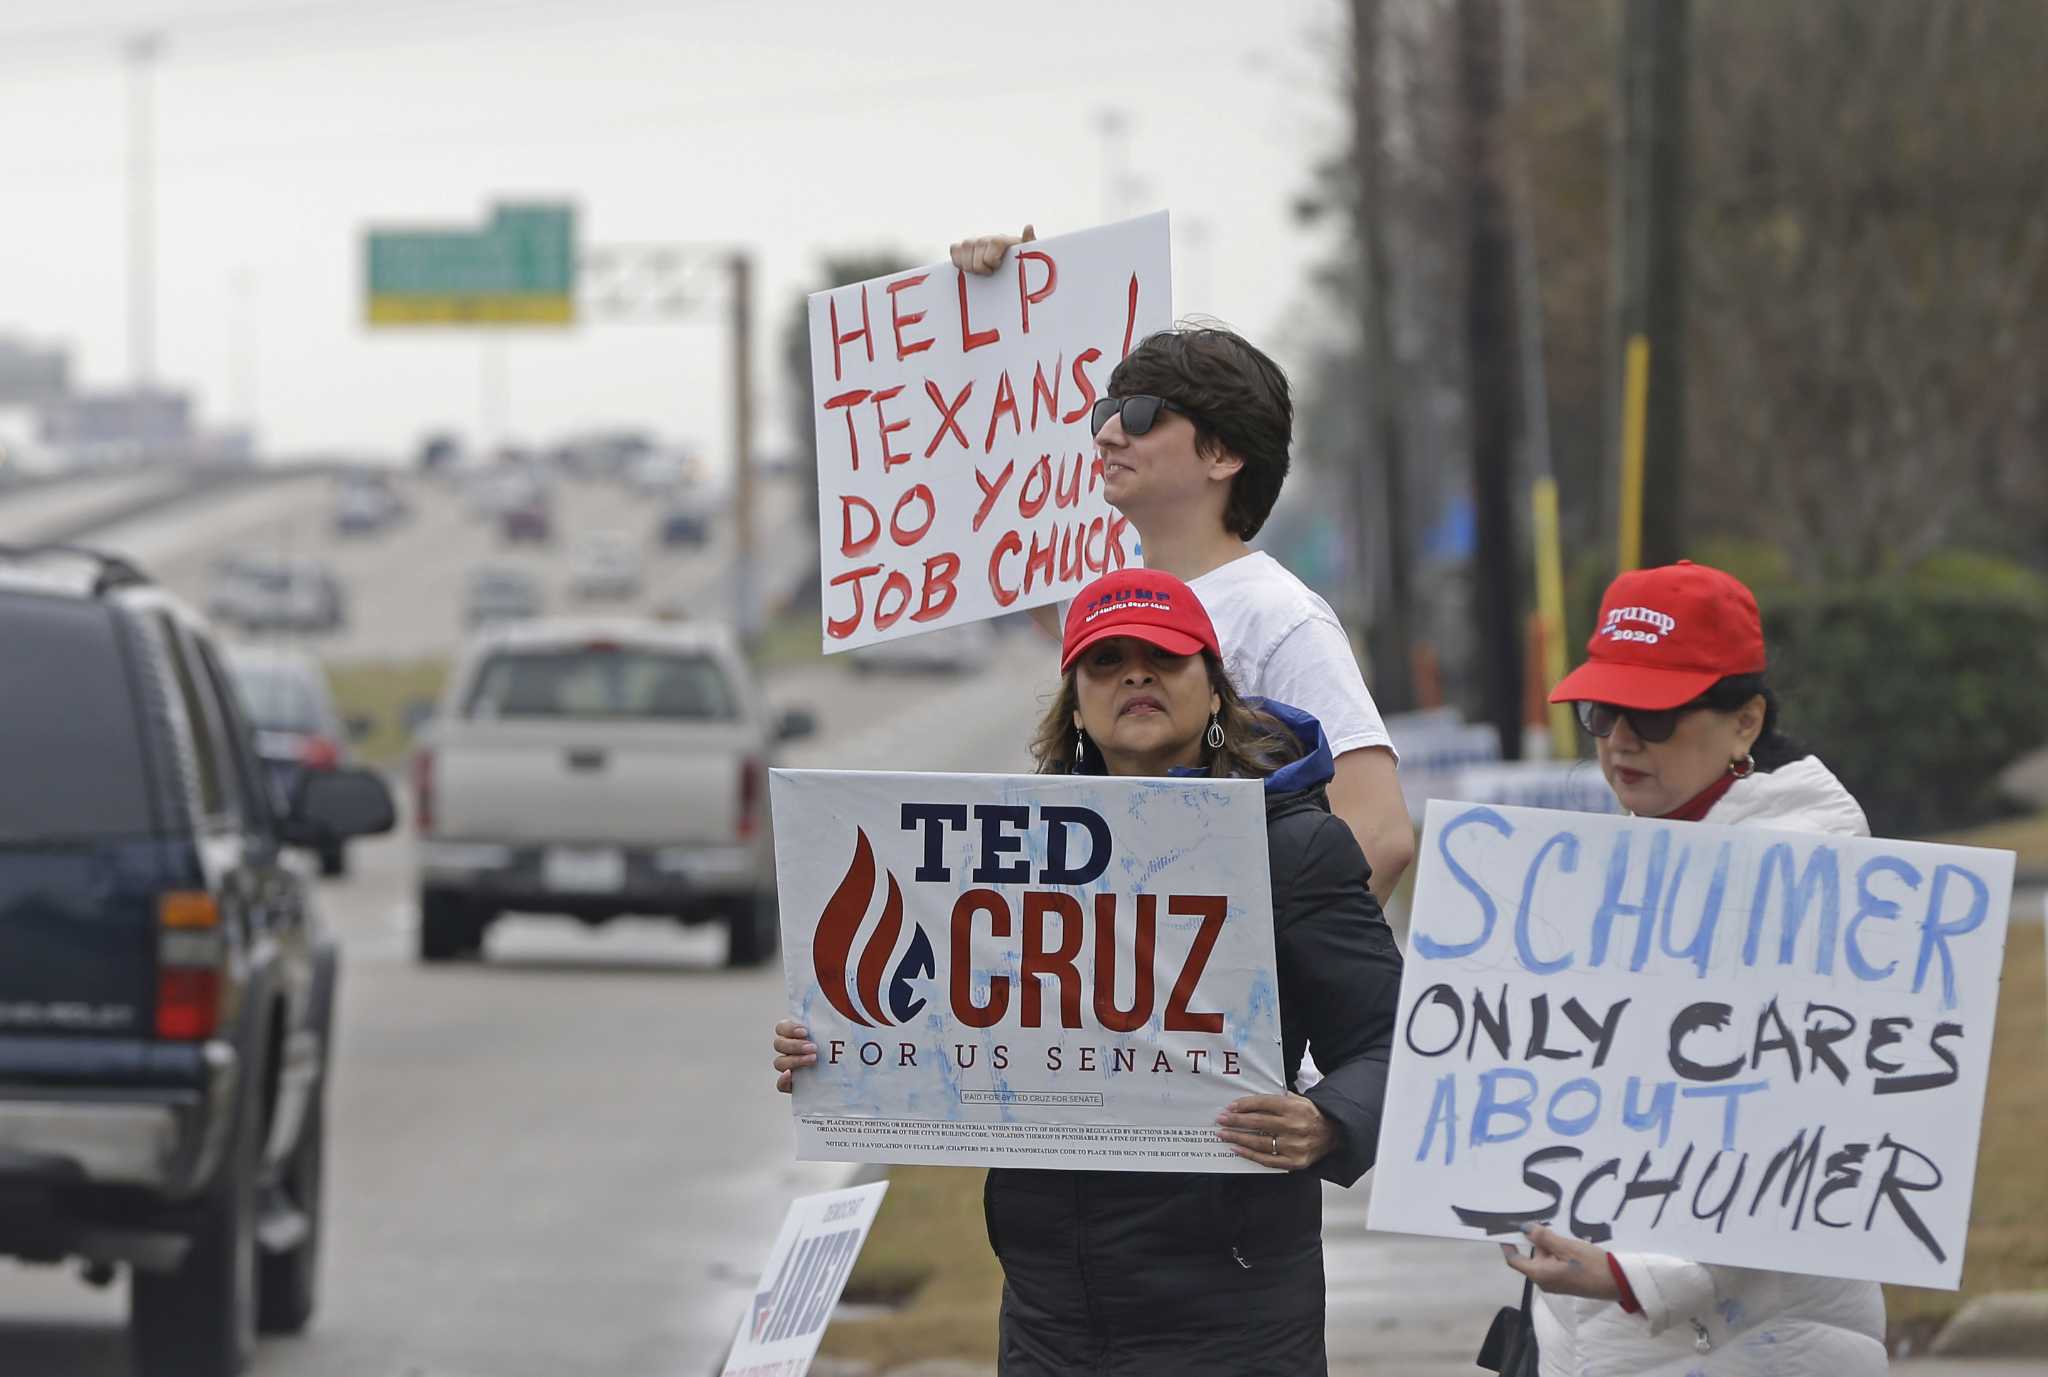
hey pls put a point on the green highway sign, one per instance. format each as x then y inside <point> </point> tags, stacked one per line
<point>519,269</point>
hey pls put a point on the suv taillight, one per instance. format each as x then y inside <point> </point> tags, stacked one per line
<point>190,951</point>
<point>750,797</point>
<point>423,790</point>
<point>319,753</point>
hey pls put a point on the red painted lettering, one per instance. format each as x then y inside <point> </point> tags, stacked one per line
<point>899,584</point>
<point>863,334</point>
<point>1049,395</point>
<point>1010,544</point>
<point>970,338</point>
<point>850,544</point>
<point>1084,382</point>
<point>949,416</point>
<point>897,533</point>
<point>897,320</point>
<point>1117,526</point>
<point>1130,316</point>
<point>1097,564</point>
<point>1069,494</point>
<point>1006,401</point>
<point>1038,563</point>
<point>1026,298</point>
<point>1070,553</point>
<point>890,458</point>
<point>847,401</point>
<point>991,491</point>
<point>841,627</point>
<point>1028,506</point>
<point>939,590</point>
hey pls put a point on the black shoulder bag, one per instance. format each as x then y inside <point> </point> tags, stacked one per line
<point>1510,1347</point>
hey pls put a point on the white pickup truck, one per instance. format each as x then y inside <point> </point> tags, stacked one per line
<point>598,768</point>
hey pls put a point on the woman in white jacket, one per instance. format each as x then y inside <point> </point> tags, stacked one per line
<point>1673,693</point>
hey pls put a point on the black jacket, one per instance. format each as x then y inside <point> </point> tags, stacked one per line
<point>1172,1273</point>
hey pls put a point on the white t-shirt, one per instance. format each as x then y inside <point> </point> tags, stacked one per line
<point>1281,641</point>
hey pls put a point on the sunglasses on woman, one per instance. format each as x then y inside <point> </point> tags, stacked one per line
<point>1139,412</point>
<point>1652,725</point>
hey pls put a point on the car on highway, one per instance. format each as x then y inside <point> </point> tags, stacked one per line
<point>959,649</point>
<point>299,731</point>
<point>604,566</point>
<point>689,517</point>
<point>366,504</point>
<point>268,593</point>
<point>167,1001</point>
<point>597,768</point>
<point>500,593</point>
<point>660,471</point>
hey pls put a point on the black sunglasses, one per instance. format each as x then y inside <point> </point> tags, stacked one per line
<point>1140,412</point>
<point>1652,725</point>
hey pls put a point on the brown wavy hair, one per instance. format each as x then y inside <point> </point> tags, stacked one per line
<point>1255,742</point>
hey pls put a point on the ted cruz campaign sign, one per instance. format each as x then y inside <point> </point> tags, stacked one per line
<point>1026,970</point>
<point>957,474</point>
<point>1729,1044</point>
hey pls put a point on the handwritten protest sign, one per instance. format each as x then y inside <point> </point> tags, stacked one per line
<point>1728,1044</point>
<point>807,1269</point>
<point>1026,970</point>
<point>957,474</point>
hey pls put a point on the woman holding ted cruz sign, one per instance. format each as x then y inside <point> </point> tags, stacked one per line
<point>1674,696</point>
<point>1156,1272</point>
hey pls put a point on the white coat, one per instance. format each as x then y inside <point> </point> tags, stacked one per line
<point>1704,1320</point>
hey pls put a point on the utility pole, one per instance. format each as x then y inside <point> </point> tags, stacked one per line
<point>1379,423</point>
<point>1490,316</point>
<point>746,615</point>
<point>1115,126</point>
<point>1648,330</point>
<point>141,51</point>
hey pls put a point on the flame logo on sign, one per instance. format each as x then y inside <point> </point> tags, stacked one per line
<point>860,1000</point>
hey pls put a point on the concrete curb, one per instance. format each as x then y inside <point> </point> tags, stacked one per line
<point>2006,1324</point>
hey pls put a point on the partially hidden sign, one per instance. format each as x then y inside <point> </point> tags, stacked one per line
<point>1026,970</point>
<point>806,1272</point>
<point>1728,1044</point>
<point>957,475</point>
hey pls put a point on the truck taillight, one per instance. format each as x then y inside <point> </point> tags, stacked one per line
<point>423,790</point>
<point>750,798</point>
<point>319,753</point>
<point>190,951</point>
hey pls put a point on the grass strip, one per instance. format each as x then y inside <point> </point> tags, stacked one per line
<point>380,691</point>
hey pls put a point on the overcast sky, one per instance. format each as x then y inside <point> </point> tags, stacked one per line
<point>284,127</point>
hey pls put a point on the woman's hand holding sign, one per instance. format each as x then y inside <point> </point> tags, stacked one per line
<point>985,254</point>
<point>1284,1131</point>
<point>791,1051</point>
<point>1563,1265</point>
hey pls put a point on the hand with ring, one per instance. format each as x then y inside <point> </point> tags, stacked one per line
<point>1287,1132</point>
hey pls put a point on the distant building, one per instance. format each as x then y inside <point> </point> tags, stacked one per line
<point>121,426</point>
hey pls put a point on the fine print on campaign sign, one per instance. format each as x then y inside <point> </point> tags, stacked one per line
<point>1027,970</point>
<point>807,1269</point>
<point>957,476</point>
<point>1730,1044</point>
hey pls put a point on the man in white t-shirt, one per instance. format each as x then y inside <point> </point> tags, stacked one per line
<point>1194,436</point>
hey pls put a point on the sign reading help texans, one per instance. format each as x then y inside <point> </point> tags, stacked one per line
<point>807,1270</point>
<point>1728,1044</point>
<point>957,474</point>
<point>1026,970</point>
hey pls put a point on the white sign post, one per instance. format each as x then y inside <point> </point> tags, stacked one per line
<point>1735,1045</point>
<point>957,475</point>
<point>807,1269</point>
<point>1026,970</point>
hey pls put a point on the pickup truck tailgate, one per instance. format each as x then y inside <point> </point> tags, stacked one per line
<point>622,784</point>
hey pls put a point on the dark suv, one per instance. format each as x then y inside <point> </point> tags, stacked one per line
<point>166,992</point>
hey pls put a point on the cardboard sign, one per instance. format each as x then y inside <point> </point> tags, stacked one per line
<point>1027,970</point>
<point>1728,1044</point>
<point>807,1269</point>
<point>957,474</point>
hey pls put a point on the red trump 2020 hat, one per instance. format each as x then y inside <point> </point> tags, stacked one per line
<point>1153,607</point>
<point>1667,635</point>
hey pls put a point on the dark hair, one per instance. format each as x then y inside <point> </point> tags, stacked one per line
<point>1255,743</point>
<point>1773,747</point>
<point>1240,403</point>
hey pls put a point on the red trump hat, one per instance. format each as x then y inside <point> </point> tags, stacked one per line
<point>1153,607</point>
<point>1667,635</point>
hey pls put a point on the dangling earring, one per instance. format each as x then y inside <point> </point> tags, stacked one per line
<point>1215,733</point>
<point>1080,746</point>
<point>1743,768</point>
